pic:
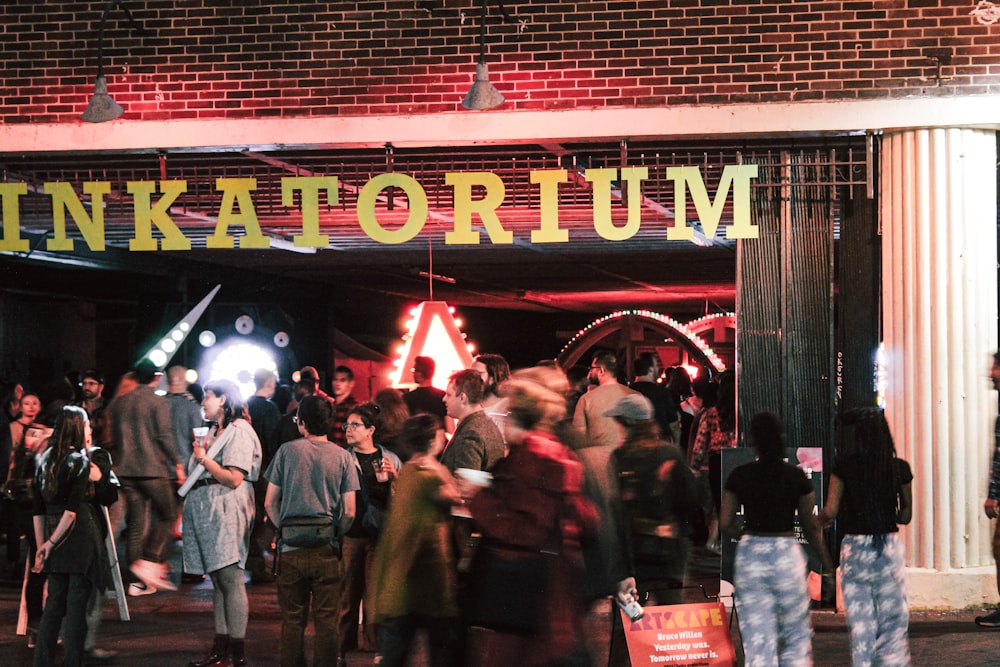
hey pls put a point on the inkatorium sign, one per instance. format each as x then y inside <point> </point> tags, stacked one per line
<point>237,193</point>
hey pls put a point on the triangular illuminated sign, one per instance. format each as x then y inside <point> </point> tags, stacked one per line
<point>433,333</point>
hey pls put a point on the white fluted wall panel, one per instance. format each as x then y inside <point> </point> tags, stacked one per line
<point>939,275</point>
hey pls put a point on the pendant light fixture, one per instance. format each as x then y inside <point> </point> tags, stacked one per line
<point>102,107</point>
<point>482,95</point>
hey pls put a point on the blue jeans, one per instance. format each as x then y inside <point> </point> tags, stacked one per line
<point>304,574</point>
<point>772,600</point>
<point>878,613</point>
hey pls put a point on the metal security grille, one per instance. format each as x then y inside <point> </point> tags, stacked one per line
<point>785,292</point>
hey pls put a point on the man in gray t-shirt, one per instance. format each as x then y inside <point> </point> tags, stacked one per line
<point>308,478</point>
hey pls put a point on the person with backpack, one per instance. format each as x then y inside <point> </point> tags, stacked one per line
<point>658,496</point>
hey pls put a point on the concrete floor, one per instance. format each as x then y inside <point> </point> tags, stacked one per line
<point>169,629</point>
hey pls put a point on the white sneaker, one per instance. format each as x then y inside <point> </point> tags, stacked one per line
<point>153,574</point>
<point>161,577</point>
<point>137,590</point>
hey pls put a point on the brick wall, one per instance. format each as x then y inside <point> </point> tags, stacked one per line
<point>266,58</point>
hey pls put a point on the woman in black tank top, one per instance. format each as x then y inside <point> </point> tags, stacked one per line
<point>770,570</point>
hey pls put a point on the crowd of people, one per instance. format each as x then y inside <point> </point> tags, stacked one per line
<point>491,515</point>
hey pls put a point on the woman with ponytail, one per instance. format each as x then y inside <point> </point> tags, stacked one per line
<point>870,490</point>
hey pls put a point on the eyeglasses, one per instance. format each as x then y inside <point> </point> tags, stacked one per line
<point>349,425</point>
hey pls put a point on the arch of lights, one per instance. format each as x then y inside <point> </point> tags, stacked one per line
<point>708,322</point>
<point>684,334</point>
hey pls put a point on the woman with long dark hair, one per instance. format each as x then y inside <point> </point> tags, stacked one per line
<point>772,598</point>
<point>870,490</point>
<point>70,543</point>
<point>218,517</point>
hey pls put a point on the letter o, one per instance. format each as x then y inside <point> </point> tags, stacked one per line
<point>418,208</point>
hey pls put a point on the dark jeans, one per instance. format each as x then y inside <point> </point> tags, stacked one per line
<point>302,574</point>
<point>150,544</point>
<point>359,567</point>
<point>262,534</point>
<point>68,595</point>
<point>395,635</point>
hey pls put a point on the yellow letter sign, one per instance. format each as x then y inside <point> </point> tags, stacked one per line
<point>709,214</point>
<point>146,216</point>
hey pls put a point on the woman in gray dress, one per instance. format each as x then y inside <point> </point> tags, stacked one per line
<point>218,517</point>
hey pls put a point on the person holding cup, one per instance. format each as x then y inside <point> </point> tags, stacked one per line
<point>377,469</point>
<point>218,517</point>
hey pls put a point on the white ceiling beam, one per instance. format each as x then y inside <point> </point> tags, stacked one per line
<point>506,127</point>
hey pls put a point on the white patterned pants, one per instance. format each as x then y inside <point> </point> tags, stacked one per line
<point>772,601</point>
<point>875,598</point>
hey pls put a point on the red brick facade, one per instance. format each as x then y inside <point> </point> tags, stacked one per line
<point>259,58</point>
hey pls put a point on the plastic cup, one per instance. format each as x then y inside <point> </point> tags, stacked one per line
<point>200,433</point>
<point>381,476</point>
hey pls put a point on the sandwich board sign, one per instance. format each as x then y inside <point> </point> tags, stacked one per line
<point>683,635</point>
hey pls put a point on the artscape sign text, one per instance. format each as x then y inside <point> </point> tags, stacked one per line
<point>237,193</point>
